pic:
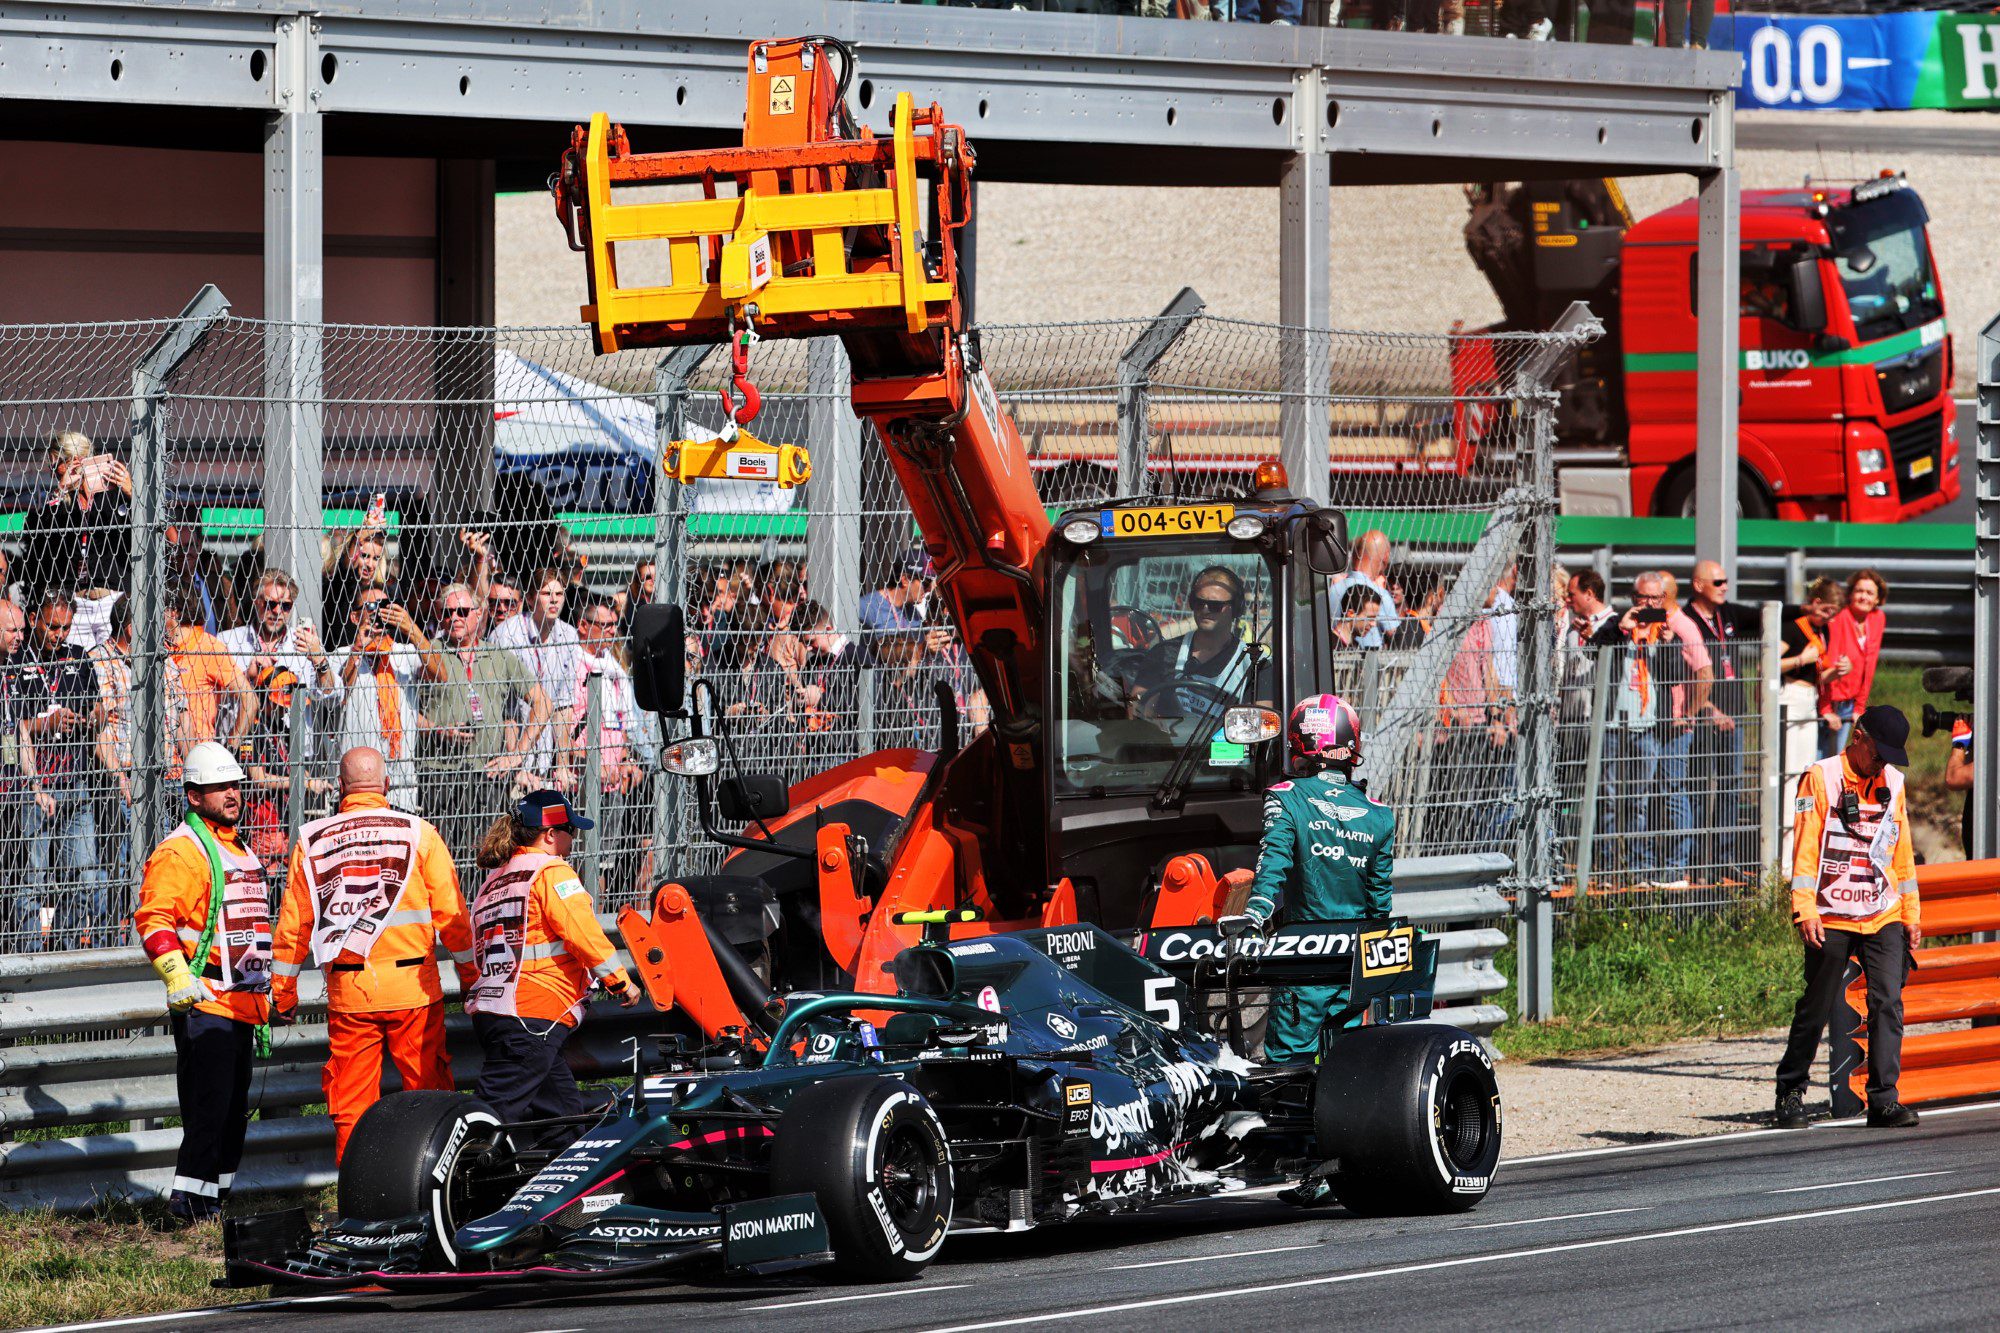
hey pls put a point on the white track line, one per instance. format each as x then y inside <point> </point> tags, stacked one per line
<point>1084,1312</point>
<point>248,1307</point>
<point>1560,1217</point>
<point>864,1296</point>
<point>1712,1140</point>
<point>1872,1180</point>
<point>1210,1258</point>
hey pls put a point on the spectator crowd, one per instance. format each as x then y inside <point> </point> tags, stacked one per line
<point>474,681</point>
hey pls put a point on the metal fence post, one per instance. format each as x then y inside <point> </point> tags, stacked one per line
<point>1535,691</point>
<point>1986,603</point>
<point>294,302</point>
<point>1305,295</point>
<point>864,702</point>
<point>670,423</point>
<point>1771,725</point>
<point>833,517</point>
<point>1135,369</point>
<point>593,781</point>
<point>1795,576</point>
<point>1593,770</point>
<point>149,488</point>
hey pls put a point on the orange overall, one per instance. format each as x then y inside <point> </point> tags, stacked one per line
<point>370,892</point>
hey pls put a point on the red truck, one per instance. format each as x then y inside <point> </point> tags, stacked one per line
<point>1846,372</point>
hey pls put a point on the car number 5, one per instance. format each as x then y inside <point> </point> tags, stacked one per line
<point>1161,1004</point>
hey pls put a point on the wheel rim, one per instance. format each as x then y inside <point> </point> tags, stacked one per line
<point>1462,1123</point>
<point>910,1179</point>
<point>460,1195</point>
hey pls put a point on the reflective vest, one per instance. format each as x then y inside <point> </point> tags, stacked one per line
<point>357,865</point>
<point>536,941</point>
<point>1855,882</point>
<point>239,959</point>
<point>370,893</point>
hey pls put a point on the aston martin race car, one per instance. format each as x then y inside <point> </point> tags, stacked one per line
<point>1014,1080</point>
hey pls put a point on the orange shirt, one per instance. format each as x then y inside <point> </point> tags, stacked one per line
<point>400,970</point>
<point>207,671</point>
<point>174,898</point>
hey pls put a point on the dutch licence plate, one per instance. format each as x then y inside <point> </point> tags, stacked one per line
<point>1922,467</point>
<point>1178,521</point>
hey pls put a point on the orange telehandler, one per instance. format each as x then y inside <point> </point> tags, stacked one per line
<point>1136,655</point>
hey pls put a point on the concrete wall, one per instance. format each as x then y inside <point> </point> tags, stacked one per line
<point>91,232</point>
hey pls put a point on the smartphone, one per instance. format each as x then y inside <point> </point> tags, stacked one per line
<point>96,472</point>
<point>1650,615</point>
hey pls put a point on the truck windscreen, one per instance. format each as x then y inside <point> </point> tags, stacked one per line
<point>1885,266</point>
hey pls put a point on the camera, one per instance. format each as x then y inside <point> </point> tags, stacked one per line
<point>1955,681</point>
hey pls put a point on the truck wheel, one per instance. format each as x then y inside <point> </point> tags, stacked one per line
<point>1411,1111</point>
<point>412,1153</point>
<point>874,1154</point>
<point>1675,498</point>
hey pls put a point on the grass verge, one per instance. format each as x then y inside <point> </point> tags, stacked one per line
<point>1634,979</point>
<point>118,1260</point>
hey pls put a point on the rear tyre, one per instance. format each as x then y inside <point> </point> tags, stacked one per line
<point>1411,1111</point>
<point>874,1154</point>
<point>414,1153</point>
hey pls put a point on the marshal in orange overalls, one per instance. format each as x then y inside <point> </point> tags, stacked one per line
<point>371,890</point>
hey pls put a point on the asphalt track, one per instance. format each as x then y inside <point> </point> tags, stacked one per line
<point>1833,1224</point>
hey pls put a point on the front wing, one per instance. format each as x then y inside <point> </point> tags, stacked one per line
<point>625,1243</point>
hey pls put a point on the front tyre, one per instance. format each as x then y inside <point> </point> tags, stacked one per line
<point>1411,1111</point>
<point>874,1154</point>
<point>416,1153</point>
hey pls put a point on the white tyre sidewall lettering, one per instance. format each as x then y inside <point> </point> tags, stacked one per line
<point>439,1187</point>
<point>872,1185</point>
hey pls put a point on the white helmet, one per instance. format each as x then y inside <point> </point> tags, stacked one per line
<point>210,764</point>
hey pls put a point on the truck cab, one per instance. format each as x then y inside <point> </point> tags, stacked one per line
<point>1845,369</point>
<point>1846,408</point>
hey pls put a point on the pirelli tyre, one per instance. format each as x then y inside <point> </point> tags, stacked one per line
<point>873,1153</point>
<point>1411,1112</point>
<point>414,1153</point>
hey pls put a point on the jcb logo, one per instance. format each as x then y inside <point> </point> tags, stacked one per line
<point>1384,951</point>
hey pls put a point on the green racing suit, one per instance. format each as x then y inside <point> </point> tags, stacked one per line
<point>1326,856</point>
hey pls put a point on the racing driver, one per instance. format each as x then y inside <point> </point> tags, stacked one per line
<point>1326,856</point>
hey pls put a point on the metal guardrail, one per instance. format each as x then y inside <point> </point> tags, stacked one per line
<point>1457,898</point>
<point>88,1045</point>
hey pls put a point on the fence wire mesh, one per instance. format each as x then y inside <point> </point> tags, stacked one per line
<point>432,541</point>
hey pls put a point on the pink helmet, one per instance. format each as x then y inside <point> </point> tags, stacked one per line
<point>1325,727</point>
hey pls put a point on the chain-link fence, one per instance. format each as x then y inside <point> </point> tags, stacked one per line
<point>431,541</point>
<point>1432,450</point>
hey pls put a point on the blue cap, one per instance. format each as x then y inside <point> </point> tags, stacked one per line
<point>550,810</point>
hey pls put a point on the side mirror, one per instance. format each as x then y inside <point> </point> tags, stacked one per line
<point>659,658</point>
<point>1326,542</point>
<point>1808,294</point>
<point>752,796</point>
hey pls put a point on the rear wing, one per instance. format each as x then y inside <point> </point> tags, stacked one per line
<point>1388,965</point>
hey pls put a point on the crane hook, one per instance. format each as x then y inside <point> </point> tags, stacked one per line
<point>739,351</point>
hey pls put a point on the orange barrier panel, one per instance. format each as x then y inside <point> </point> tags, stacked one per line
<point>1951,983</point>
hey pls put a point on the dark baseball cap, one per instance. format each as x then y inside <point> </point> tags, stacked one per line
<point>915,563</point>
<point>551,809</point>
<point>1890,731</point>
